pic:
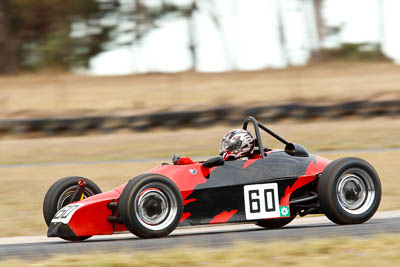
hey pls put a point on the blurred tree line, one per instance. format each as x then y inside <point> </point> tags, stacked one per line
<point>52,33</point>
<point>37,34</point>
<point>66,34</point>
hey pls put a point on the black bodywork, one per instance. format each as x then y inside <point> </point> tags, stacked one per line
<point>223,191</point>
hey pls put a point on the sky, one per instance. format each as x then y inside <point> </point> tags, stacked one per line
<point>377,21</point>
<point>248,36</point>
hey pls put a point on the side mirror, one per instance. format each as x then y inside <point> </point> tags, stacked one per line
<point>217,161</point>
<point>296,150</point>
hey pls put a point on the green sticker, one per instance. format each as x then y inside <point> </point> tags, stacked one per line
<point>285,211</point>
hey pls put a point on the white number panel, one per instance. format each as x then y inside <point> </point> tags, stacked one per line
<point>261,201</point>
<point>64,215</point>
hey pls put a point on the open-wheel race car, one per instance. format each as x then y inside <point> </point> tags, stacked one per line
<point>269,189</point>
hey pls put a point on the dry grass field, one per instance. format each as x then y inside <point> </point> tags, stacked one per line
<point>315,135</point>
<point>341,252</point>
<point>55,94</point>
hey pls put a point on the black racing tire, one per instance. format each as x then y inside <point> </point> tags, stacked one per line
<point>275,223</point>
<point>59,194</point>
<point>349,191</point>
<point>150,206</point>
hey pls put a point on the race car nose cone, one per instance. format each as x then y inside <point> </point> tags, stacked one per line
<point>60,230</point>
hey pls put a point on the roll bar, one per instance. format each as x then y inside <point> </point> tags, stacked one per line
<point>258,125</point>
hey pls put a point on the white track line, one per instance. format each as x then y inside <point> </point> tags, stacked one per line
<point>192,230</point>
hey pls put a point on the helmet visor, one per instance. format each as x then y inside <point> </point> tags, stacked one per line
<point>230,145</point>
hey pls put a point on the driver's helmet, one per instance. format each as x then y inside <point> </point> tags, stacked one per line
<point>236,143</point>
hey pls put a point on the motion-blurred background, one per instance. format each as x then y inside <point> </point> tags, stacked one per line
<point>128,36</point>
<point>108,89</point>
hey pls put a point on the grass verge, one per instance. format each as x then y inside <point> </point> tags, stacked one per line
<point>375,251</point>
<point>315,135</point>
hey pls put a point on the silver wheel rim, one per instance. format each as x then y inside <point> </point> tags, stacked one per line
<point>65,197</point>
<point>355,192</point>
<point>156,206</point>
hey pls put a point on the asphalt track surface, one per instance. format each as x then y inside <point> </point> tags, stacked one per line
<point>41,247</point>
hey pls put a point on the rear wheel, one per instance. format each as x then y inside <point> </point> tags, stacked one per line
<point>150,206</point>
<point>60,194</point>
<point>349,191</point>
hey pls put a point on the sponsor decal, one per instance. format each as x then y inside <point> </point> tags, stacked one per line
<point>193,171</point>
<point>285,211</point>
<point>261,201</point>
<point>64,215</point>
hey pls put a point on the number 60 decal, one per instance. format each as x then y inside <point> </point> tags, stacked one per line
<point>64,215</point>
<point>261,201</point>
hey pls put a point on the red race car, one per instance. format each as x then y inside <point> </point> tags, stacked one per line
<point>269,189</point>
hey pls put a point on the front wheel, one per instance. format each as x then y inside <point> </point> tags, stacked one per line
<point>349,191</point>
<point>61,193</point>
<point>150,206</point>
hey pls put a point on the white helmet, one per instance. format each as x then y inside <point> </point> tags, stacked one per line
<point>236,143</point>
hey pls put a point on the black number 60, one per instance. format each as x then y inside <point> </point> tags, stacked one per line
<point>254,200</point>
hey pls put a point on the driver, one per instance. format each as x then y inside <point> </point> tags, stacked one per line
<point>235,144</point>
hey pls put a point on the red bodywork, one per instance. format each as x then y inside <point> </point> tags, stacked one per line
<point>91,217</point>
